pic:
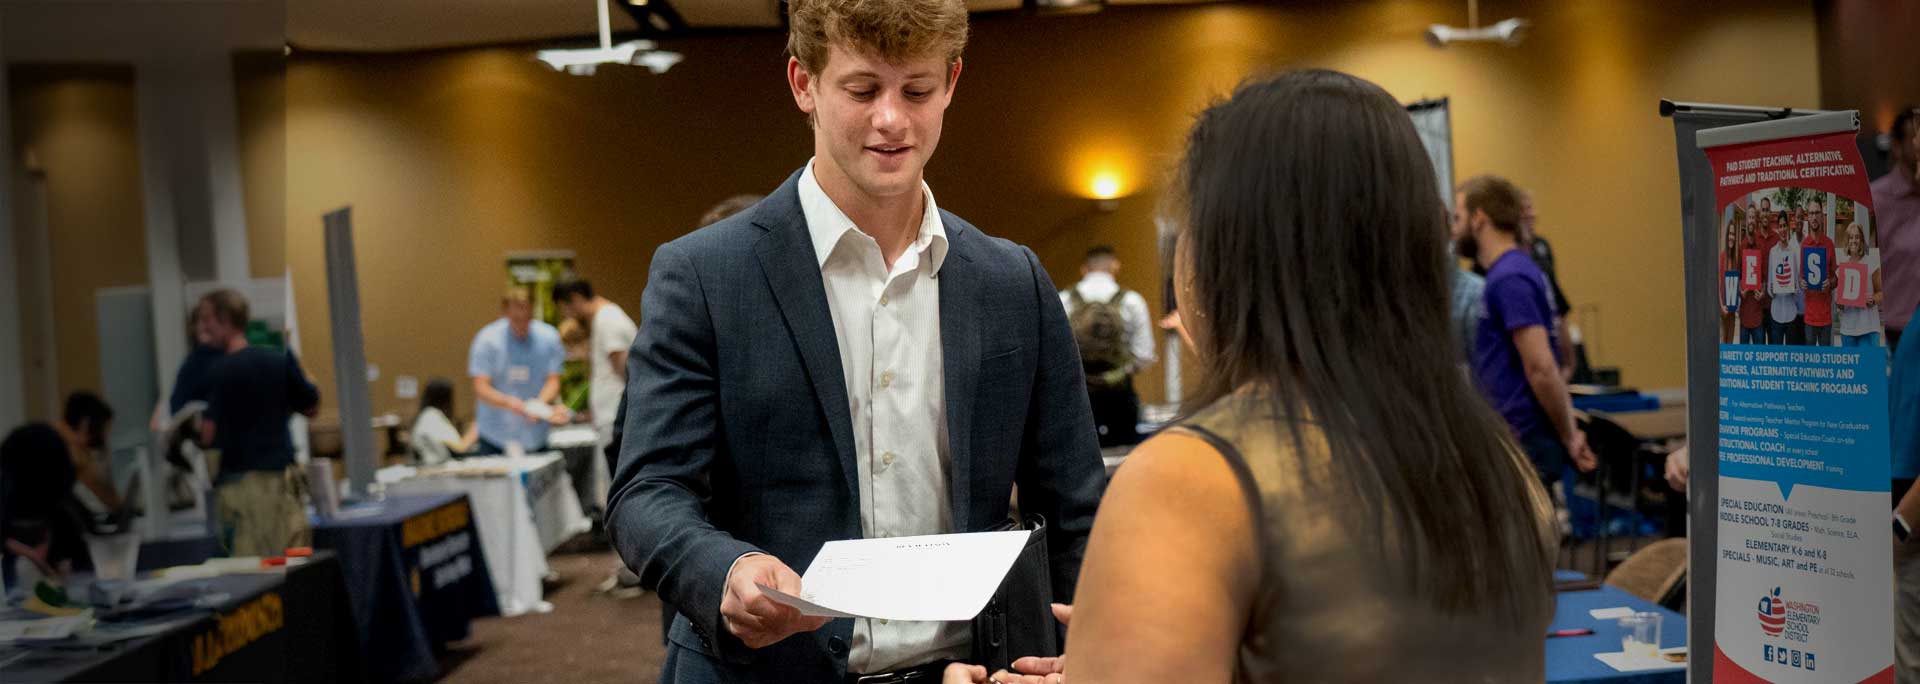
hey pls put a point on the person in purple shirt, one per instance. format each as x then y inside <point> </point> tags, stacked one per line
<point>1514,354</point>
<point>1896,207</point>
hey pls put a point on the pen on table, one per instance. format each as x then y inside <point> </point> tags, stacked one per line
<point>1569,632</point>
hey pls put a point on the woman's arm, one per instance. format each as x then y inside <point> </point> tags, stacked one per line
<point>1170,573</point>
<point>470,437</point>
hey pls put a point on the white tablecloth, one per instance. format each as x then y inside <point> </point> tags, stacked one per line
<point>524,507</point>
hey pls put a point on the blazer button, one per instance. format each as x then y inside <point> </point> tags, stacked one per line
<point>836,646</point>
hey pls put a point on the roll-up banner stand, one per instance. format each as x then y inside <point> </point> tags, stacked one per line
<point>1791,549</point>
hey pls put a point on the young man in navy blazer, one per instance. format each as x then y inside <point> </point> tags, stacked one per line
<point>844,360</point>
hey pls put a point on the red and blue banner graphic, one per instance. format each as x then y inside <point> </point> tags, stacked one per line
<point>1804,580</point>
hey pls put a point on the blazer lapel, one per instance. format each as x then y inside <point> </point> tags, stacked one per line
<point>786,257</point>
<point>960,357</point>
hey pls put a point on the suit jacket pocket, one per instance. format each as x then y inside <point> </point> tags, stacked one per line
<point>1001,354</point>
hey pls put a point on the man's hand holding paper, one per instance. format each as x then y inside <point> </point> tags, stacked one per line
<point>754,617</point>
<point>943,577</point>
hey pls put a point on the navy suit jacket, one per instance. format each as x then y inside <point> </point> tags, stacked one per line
<point>737,434</point>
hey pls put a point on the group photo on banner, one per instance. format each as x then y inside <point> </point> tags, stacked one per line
<point>1801,267</point>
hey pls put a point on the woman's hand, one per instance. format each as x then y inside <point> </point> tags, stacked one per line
<point>962,673</point>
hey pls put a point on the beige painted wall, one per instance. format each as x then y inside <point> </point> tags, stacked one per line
<point>451,159</point>
<point>81,124</point>
<point>78,123</point>
<point>260,103</point>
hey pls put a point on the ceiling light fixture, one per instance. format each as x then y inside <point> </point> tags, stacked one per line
<point>1067,6</point>
<point>1508,32</point>
<point>584,61</point>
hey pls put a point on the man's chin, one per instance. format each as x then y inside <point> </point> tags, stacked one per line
<point>890,185</point>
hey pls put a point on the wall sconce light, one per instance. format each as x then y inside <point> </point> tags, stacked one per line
<point>1106,191</point>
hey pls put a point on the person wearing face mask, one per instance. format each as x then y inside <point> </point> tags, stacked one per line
<point>844,360</point>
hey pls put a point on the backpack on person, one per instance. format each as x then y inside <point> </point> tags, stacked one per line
<point>1102,336</point>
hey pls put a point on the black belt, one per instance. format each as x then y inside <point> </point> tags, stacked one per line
<point>929,673</point>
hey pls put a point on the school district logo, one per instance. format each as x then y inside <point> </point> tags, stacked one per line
<point>1772,613</point>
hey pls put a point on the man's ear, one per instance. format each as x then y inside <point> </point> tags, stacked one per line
<point>801,82</point>
<point>953,77</point>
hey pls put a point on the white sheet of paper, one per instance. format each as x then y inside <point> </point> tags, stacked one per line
<point>1610,613</point>
<point>1636,663</point>
<point>943,577</point>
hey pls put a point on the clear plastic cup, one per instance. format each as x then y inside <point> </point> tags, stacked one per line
<point>114,555</point>
<point>1640,635</point>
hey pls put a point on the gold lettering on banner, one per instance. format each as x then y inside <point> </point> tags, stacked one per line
<point>234,630</point>
<point>435,523</point>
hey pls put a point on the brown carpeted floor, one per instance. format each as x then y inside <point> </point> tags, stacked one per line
<point>588,638</point>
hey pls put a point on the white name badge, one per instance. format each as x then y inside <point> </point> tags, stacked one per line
<point>519,374</point>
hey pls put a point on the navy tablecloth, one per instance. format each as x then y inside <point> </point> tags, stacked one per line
<point>415,577</point>
<point>270,627</point>
<point>1570,659</point>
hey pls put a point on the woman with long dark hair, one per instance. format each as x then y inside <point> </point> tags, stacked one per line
<point>1338,504</point>
<point>434,438</point>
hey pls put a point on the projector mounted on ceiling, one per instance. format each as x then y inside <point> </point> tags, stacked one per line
<point>583,61</point>
<point>1508,32</point>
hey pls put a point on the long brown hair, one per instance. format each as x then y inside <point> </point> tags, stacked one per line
<point>1316,251</point>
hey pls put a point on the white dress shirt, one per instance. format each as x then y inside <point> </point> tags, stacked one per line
<point>1099,286</point>
<point>887,322</point>
<point>612,331</point>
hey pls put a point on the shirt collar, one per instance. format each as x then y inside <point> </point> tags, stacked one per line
<point>1097,277</point>
<point>827,225</point>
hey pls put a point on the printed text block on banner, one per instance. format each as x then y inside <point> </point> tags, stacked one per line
<point>1855,286</point>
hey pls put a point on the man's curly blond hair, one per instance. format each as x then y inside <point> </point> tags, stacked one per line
<point>893,30</point>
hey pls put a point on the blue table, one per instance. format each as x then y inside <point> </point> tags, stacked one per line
<point>415,578</point>
<point>1570,659</point>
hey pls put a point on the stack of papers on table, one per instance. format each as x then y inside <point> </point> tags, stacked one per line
<point>1637,663</point>
<point>42,629</point>
<point>1610,613</point>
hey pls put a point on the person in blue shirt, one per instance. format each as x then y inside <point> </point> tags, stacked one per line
<point>1468,309</point>
<point>1903,389</point>
<point>515,364</point>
